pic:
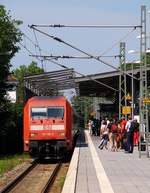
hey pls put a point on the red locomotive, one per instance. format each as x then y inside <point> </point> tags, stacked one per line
<point>48,127</point>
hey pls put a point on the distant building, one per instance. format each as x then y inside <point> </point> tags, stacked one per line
<point>11,88</point>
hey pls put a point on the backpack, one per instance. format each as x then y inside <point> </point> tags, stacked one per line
<point>133,127</point>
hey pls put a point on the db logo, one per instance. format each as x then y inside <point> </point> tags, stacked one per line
<point>46,127</point>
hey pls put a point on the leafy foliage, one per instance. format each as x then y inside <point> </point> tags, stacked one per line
<point>11,129</point>
<point>23,71</point>
<point>11,132</point>
<point>137,65</point>
<point>83,105</point>
<point>9,37</point>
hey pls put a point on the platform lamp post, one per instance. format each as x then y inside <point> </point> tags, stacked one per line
<point>132,91</point>
<point>133,84</point>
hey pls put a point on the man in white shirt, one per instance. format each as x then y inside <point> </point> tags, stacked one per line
<point>130,135</point>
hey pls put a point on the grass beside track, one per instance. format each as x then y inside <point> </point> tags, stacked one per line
<point>9,162</point>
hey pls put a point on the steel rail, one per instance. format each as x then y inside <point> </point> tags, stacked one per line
<point>12,184</point>
<point>51,179</point>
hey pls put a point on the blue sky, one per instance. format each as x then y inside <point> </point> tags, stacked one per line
<point>77,12</point>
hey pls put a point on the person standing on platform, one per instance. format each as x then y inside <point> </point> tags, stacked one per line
<point>123,132</point>
<point>130,135</point>
<point>103,127</point>
<point>113,136</point>
<point>136,132</point>
<point>104,135</point>
<point>94,127</point>
<point>90,125</point>
<point>110,133</point>
<point>104,139</point>
<point>118,135</point>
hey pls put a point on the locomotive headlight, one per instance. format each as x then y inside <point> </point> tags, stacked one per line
<point>58,127</point>
<point>26,142</point>
<point>32,134</point>
<point>36,127</point>
<point>62,134</point>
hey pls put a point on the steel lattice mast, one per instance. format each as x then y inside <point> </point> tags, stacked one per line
<point>122,80</point>
<point>143,85</point>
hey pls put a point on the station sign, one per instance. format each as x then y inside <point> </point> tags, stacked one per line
<point>146,100</point>
<point>126,110</point>
<point>128,97</point>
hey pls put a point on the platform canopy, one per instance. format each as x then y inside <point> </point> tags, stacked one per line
<point>49,83</point>
<point>88,87</point>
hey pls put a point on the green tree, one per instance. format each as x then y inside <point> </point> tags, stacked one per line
<point>11,130</point>
<point>84,106</point>
<point>148,59</point>
<point>23,71</point>
<point>10,35</point>
<point>137,65</point>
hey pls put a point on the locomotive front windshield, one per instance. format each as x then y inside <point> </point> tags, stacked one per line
<point>47,112</point>
<point>55,112</point>
<point>39,112</point>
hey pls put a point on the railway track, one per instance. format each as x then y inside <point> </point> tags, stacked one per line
<point>38,178</point>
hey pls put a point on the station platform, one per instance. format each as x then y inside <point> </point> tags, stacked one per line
<point>101,171</point>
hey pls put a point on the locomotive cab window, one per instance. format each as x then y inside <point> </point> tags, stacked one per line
<point>39,112</point>
<point>55,112</point>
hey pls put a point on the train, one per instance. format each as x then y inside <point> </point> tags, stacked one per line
<point>50,127</point>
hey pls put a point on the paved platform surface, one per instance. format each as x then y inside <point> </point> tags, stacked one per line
<point>103,171</point>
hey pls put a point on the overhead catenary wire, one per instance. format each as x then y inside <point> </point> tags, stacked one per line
<point>53,58</point>
<point>87,76</point>
<point>86,26</point>
<point>30,53</point>
<point>65,67</point>
<point>106,51</point>
<point>79,50</point>
<point>24,40</point>
<point>24,46</point>
<point>87,57</point>
<point>73,57</point>
<point>102,54</point>
<point>116,43</point>
<point>38,47</point>
<point>35,44</point>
